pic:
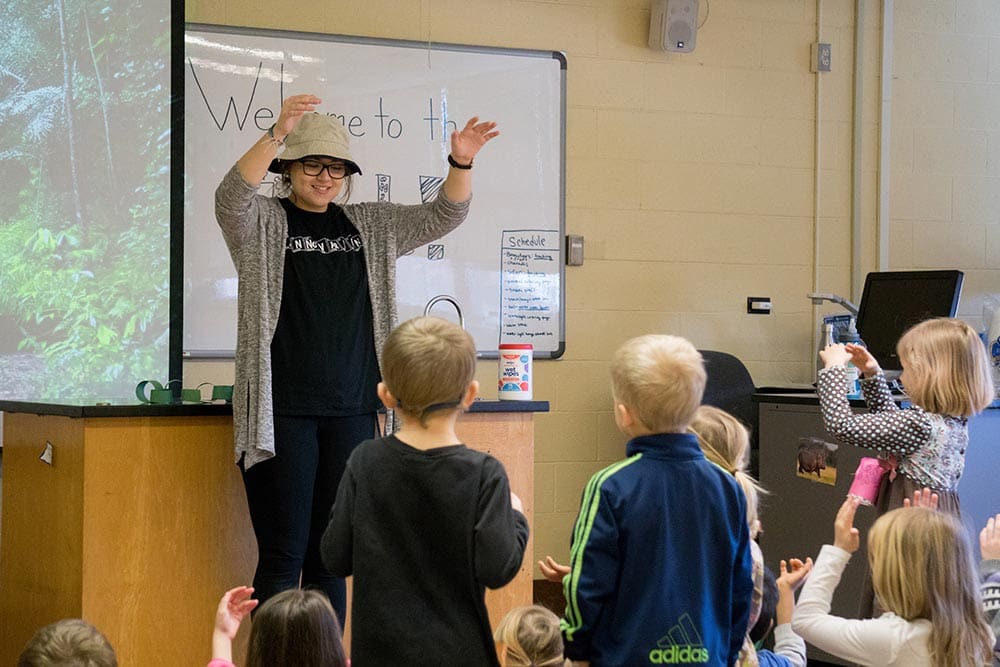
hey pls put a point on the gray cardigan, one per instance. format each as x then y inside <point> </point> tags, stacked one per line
<point>255,228</point>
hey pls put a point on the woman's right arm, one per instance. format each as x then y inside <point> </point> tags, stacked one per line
<point>254,163</point>
<point>234,198</point>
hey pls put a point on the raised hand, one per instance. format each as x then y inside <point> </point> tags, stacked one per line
<point>834,355</point>
<point>989,539</point>
<point>465,143</point>
<point>845,535</point>
<point>863,359</point>
<point>233,608</point>
<point>292,110</point>
<point>792,573</point>
<point>552,570</point>
<point>925,498</point>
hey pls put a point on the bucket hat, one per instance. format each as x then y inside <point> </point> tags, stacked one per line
<point>317,134</point>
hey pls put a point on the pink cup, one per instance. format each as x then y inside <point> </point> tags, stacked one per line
<point>867,479</point>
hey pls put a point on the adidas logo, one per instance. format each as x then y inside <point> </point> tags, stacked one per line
<point>682,645</point>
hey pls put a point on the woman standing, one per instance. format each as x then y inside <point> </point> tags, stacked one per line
<point>316,301</point>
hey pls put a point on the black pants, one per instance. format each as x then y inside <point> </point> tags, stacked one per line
<point>290,496</point>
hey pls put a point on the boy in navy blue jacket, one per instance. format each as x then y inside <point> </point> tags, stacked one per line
<point>660,570</point>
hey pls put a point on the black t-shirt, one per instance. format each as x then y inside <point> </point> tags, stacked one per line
<point>323,351</point>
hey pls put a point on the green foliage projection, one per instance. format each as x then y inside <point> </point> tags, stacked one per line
<point>84,267</point>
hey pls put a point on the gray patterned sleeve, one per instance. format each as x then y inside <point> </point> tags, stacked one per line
<point>892,431</point>
<point>235,207</point>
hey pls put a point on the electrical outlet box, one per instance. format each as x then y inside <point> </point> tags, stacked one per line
<point>574,250</point>
<point>822,57</point>
<point>759,305</point>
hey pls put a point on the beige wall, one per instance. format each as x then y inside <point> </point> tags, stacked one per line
<point>693,178</point>
<point>945,181</point>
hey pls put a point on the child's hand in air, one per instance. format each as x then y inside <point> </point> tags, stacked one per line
<point>233,608</point>
<point>863,359</point>
<point>845,535</point>
<point>792,574</point>
<point>989,539</point>
<point>925,498</point>
<point>552,570</point>
<point>834,355</point>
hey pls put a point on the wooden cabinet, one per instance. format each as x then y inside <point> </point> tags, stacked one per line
<point>139,524</point>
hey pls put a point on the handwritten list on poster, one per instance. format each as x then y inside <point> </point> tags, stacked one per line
<point>529,287</point>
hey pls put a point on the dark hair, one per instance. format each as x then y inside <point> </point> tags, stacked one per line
<point>296,627</point>
<point>768,607</point>
<point>71,642</point>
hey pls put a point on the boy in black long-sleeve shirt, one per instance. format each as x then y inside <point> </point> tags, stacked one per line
<point>423,523</point>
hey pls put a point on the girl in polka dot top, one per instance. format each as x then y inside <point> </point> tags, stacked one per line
<point>946,375</point>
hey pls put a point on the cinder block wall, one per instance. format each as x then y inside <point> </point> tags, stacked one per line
<point>692,177</point>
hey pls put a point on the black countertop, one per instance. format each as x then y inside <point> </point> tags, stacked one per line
<point>207,409</point>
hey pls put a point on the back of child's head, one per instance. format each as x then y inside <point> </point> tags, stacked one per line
<point>768,608</point>
<point>947,370</point>
<point>660,379</point>
<point>725,441</point>
<point>922,567</point>
<point>427,364</point>
<point>531,636</point>
<point>71,642</point>
<point>296,627</point>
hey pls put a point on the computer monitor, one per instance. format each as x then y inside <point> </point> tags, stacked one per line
<point>893,301</point>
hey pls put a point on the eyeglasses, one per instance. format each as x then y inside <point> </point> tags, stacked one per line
<point>337,170</point>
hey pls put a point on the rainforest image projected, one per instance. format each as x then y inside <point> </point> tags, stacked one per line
<point>84,186</point>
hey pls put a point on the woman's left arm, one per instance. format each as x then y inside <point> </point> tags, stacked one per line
<point>465,145</point>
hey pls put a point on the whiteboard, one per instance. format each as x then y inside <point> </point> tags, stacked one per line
<point>399,100</point>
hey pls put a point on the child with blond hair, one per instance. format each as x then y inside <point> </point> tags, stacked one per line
<point>924,578</point>
<point>725,441</point>
<point>529,637</point>
<point>660,567</point>
<point>946,375</point>
<point>422,522</point>
<point>989,570</point>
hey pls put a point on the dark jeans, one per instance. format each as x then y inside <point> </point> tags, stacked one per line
<point>290,496</point>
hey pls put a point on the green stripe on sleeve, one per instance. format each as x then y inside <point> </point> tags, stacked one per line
<point>581,534</point>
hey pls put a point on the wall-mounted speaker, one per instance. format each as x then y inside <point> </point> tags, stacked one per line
<point>673,25</point>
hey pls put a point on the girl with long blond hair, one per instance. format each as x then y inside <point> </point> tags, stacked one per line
<point>924,578</point>
<point>725,441</point>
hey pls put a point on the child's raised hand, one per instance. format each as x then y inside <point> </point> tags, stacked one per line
<point>845,535</point>
<point>925,498</point>
<point>793,573</point>
<point>989,539</point>
<point>863,359</point>
<point>834,355</point>
<point>233,608</point>
<point>552,570</point>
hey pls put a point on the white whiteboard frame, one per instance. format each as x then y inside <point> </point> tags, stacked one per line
<point>487,347</point>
